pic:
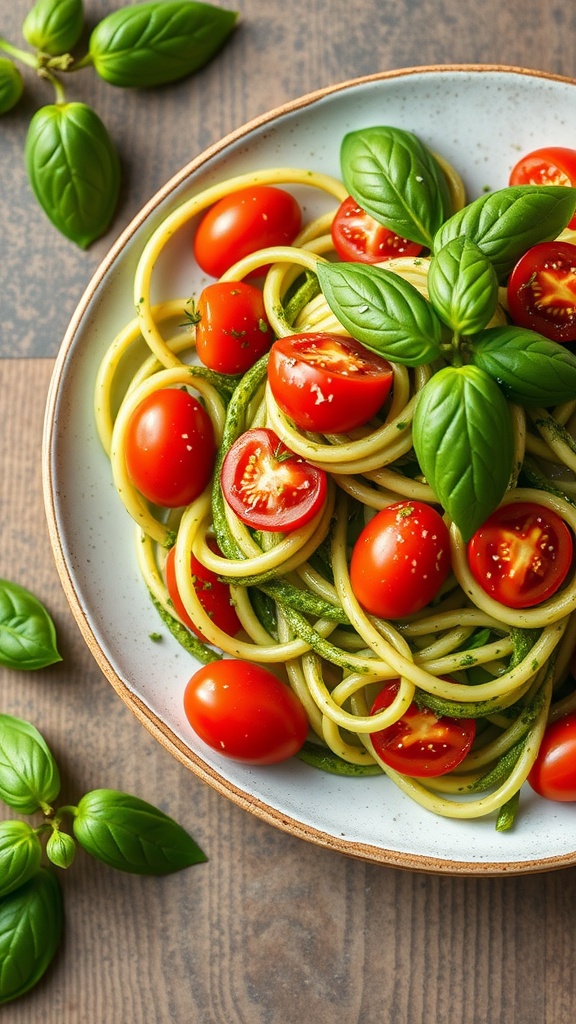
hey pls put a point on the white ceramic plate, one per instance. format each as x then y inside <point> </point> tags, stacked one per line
<point>480,118</point>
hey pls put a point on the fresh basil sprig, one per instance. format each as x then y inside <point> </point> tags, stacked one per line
<point>383,311</point>
<point>74,169</point>
<point>504,224</point>
<point>152,44</point>
<point>29,776</point>
<point>394,177</point>
<point>463,440</point>
<point>27,633</point>
<point>530,369</point>
<point>31,920</point>
<point>463,286</point>
<point>54,26</point>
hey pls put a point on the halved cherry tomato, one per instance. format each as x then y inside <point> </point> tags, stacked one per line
<point>551,165</point>
<point>359,238</point>
<point>243,222</point>
<point>245,713</point>
<point>421,743</point>
<point>553,774</point>
<point>521,555</point>
<point>213,594</point>
<point>232,331</point>
<point>170,447</point>
<point>327,382</point>
<point>268,486</point>
<point>400,560</point>
<point>541,290</point>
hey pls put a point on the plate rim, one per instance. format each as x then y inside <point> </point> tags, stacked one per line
<point>167,738</point>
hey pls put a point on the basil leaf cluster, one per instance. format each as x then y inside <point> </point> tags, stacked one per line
<point>152,44</point>
<point>462,427</point>
<point>117,829</point>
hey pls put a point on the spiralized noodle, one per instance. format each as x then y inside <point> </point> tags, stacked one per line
<point>507,668</point>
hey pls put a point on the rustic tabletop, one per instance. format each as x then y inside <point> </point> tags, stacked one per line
<point>270,929</point>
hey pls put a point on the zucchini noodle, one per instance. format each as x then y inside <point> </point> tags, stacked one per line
<point>466,655</point>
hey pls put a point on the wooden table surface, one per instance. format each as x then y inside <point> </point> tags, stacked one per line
<point>271,929</point>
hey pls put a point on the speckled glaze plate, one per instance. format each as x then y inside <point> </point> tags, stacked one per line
<point>480,118</point>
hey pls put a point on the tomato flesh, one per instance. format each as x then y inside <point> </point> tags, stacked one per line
<point>421,743</point>
<point>170,448</point>
<point>553,774</point>
<point>359,238</point>
<point>243,222</point>
<point>551,165</point>
<point>268,486</point>
<point>245,712</point>
<point>327,382</point>
<point>213,594</point>
<point>400,560</point>
<point>232,332</point>
<point>521,555</point>
<point>541,290</point>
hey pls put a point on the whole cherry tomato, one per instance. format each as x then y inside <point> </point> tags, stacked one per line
<point>232,331</point>
<point>553,774</point>
<point>213,594</point>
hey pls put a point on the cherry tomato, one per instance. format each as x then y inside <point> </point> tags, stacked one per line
<point>268,486</point>
<point>232,331</point>
<point>245,713</point>
<point>400,560</point>
<point>327,382</point>
<point>541,290</point>
<point>521,555</point>
<point>553,774</point>
<point>243,222</point>
<point>421,743</point>
<point>213,594</point>
<point>170,447</point>
<point>552,165</point>
<point>358,237</point>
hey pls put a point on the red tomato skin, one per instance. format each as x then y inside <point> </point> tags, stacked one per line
<point>521,555</point>
<point>311,379</point>
<point>214,596</point>
<point>421,744</point>
<point>232,332</point>
<point>359,238</point>
<point>400,560</point>
<point>550,165</point>
<point>243,222</point>
<point>553,774</point>
<point>170,448</point>
<point>245,712</point>
<point>532,302</point>
<point>268,486</point>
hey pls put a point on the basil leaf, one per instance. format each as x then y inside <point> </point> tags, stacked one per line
<point>20,855</point>
<point>463,439</point>
<point>506,223</point>
<point>11,85</point>
<point>73,169</point>
<point>29,777</point>
<point>394,177</point>
<point>383,311</point>
<point>131,835</point>
<point>27,633</point>
<point>151,44</point>
<point>462,286</point>
<point>60,849</point>
<point>54,26</point>
<point>530,369</point>
<point>30,930</point>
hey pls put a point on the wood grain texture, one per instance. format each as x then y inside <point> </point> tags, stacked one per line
<point>271,930</point>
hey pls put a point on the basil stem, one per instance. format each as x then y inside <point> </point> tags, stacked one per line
<point>27,633</point>
<point>29,776</point>
<point>131,835</point>
<point>530,369</point>
<point>151,44</point>
<point>74,170</point>
<point>54,26</point>
<point>394,177</point>
<point>463,440</point>
<point>30,930</point>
